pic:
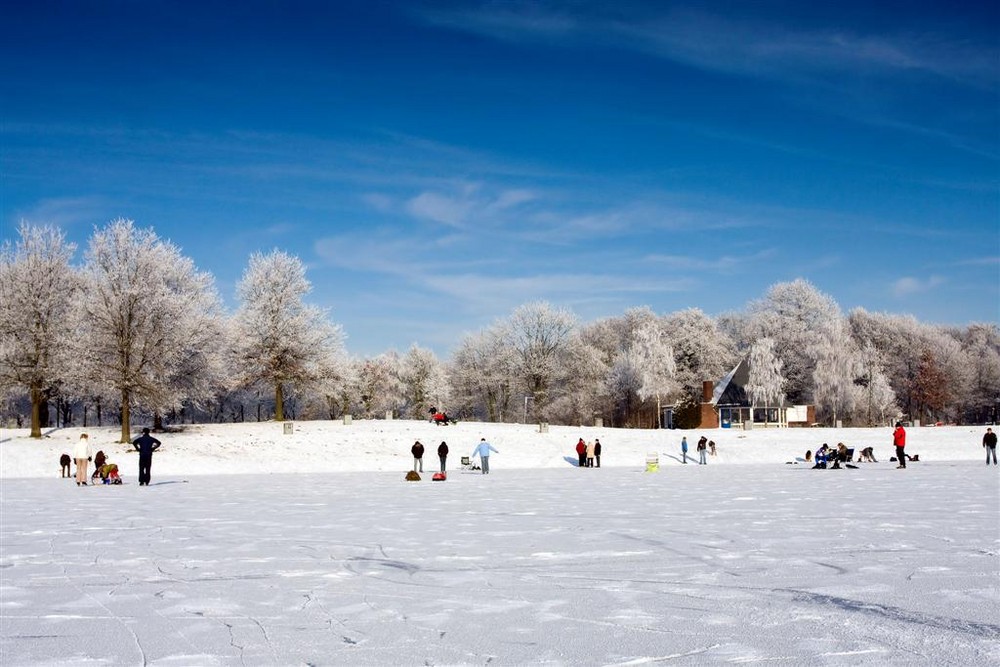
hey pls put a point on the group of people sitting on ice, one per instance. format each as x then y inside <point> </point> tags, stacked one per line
<point>832,457</point>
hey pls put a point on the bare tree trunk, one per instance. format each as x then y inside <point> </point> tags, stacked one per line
<point>126,417</point>
<point>37,397</point>
<point>279,402</point>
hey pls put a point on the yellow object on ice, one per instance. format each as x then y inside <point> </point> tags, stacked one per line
<point>652,462</point>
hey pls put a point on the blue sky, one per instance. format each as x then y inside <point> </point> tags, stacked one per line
<point>437,164</point>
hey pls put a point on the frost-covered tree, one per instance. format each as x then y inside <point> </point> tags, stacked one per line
<point>765,384</point>
<point>144,315</point>
<point>622,385</point>
<point>657,370</point>
<point>702,351</point>
<point>796,316</point>
<point>837,368</point>
<point>981,343</point>
<point>423,381</point>
<point>483,373</point>
<point>538,334</point>
<point>378,384</point>
<point>883,399</point>
<point>281,340</point>
<point>37,286</point>
<point>878,398</point>
<point>898,342</point>
<point>578,394</point>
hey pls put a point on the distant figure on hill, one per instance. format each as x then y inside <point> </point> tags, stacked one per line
<point>483,450</point>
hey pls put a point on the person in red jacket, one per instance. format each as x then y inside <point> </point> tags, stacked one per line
<point>581,452</point>
<point>899,441</point>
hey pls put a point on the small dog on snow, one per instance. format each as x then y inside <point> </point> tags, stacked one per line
<point>867,454</point>
<point>64,462</point>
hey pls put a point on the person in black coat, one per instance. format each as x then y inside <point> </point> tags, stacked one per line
<point>990,443</point>
<point>418,456</point>
<point>146,444</point>
<point>597,452</point>
<point>443,454</point>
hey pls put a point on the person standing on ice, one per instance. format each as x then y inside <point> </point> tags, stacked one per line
<point>483,450</point>
<point>899,442</point>
<point>146,444</point>
<point>443,454</point>
<point>418,456</point>
<point>684,448</point>
<point>81,455</point>
<point>702,451</point>
<point>990,443</point>
<point>581,453</point>
<point>597,452</point>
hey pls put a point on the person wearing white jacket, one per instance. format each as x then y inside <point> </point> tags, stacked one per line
<point>82,454</point>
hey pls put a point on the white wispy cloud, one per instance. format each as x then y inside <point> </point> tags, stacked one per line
<point>67,212</point>
<point>469,203</point>
<point>728,43</point>
<point>720,264</point>
<point>908,285</point>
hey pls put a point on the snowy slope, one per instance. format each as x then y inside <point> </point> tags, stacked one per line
<point>379,445</point>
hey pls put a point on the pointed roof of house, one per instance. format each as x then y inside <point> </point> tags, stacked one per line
<point>730,389</point>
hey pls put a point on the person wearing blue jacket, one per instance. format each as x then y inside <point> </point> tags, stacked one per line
<point>684,448</point>
<point>483,450</point>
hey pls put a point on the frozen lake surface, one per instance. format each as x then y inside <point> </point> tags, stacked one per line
<point>773,564</point>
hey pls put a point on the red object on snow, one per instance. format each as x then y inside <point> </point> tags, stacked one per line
<point>439,477</point>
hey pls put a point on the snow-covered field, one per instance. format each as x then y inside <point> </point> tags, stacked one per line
<point>747,560</point>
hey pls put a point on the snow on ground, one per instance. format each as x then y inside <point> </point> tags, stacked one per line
<point>380,445</point>
<point>345,563</point>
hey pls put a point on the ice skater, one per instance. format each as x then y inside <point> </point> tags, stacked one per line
<point>483,450</point>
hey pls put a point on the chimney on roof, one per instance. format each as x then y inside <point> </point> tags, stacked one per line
<point>707,389</point>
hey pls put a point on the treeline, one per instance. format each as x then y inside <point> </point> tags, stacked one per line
<point>137,331</point>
